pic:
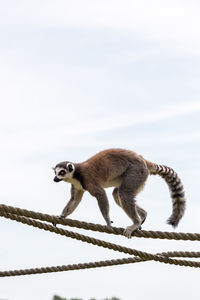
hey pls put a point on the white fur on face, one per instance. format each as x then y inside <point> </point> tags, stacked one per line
<point>68,175</point>
<point>57,171</point>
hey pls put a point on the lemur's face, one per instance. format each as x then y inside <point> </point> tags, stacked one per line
<point>63,171</point>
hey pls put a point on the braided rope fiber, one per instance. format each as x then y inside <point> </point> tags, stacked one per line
<point>29,218</point>
<point>97,227</point>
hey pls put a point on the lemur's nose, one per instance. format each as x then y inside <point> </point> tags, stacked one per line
<point>56,179</point>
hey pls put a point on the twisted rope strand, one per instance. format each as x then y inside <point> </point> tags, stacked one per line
<point>30,218</point>
<point>90,265</point>
<point>101,243</point>
<point>97,227</point>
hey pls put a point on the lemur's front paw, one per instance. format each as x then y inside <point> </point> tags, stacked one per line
<point>59,217</point>
<point>109,226</point>
<point>54,224</point>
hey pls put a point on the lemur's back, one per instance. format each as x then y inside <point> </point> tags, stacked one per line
<point>111,163</point>
<point>114,154</point>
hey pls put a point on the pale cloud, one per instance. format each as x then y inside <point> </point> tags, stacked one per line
<point>176,19</point>
<point>77,77</point>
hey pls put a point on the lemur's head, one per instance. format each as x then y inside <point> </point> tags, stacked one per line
<point>64,171</point>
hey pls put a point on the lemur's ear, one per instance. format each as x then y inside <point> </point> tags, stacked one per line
<point>70,167</point>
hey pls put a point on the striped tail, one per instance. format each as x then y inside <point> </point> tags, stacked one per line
<point>176,189</point>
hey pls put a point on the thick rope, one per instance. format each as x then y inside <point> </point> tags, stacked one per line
<point>23,216</point>
<point>90,265</point>
<point>97,227</point>
<point>100,243</point>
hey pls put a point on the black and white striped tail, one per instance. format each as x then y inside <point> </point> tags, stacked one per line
<point>177,192</point>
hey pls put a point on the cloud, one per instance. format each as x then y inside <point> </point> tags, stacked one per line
<point>79,76</point>
<point>177,20</point>
<point>48,131</point>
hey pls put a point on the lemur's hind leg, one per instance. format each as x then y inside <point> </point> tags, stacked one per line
<point>115,194</point>
<point>142,213</point>
<point>133,180</point>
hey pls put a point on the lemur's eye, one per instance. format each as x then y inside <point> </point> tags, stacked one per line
<point>62,173</point>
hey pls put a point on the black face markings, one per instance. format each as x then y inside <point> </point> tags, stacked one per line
<point>56,179</point>
<point>62,173</point>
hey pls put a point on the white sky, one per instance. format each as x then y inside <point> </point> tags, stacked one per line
<point>77,77</point>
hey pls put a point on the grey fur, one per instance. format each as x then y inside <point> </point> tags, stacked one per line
<point>127,172</point>
<point>177,193</point>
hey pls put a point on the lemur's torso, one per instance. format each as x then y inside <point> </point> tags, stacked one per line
<point>127,172</point>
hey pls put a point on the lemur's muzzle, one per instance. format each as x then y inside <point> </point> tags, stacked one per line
<point>56,179</point>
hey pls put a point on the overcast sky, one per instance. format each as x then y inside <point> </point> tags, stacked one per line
<point>78,77</point>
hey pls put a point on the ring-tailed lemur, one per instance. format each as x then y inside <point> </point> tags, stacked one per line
<point>127,172</point>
